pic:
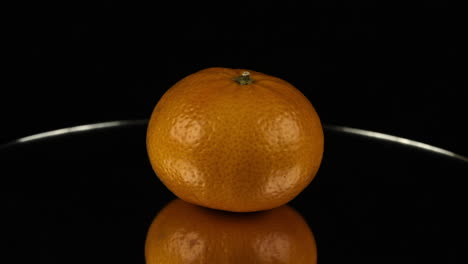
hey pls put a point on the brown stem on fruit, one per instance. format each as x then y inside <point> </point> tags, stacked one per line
<point>244,79</point>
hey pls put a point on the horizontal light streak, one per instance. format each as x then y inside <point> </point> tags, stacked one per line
<point>400,140</point>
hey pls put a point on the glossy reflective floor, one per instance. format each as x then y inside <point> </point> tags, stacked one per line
<point>87,194</point>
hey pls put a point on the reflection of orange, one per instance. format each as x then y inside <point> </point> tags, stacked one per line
<point>186,233</point>
<point>235,140</point>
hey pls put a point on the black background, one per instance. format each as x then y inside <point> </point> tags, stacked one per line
<point>399,72</point>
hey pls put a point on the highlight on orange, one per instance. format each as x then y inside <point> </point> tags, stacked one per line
<point>187,233</point>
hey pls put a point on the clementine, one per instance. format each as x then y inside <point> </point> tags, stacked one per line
<point>235,140</point>
<point>186,233</point>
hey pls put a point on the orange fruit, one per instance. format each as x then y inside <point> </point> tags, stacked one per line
<point>186,233</point>
<point>235,140</point>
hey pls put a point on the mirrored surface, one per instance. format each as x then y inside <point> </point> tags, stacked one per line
<point>88,194</point>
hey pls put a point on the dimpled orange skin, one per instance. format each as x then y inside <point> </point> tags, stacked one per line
<point>223,145</point>
<point>186,233</point>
